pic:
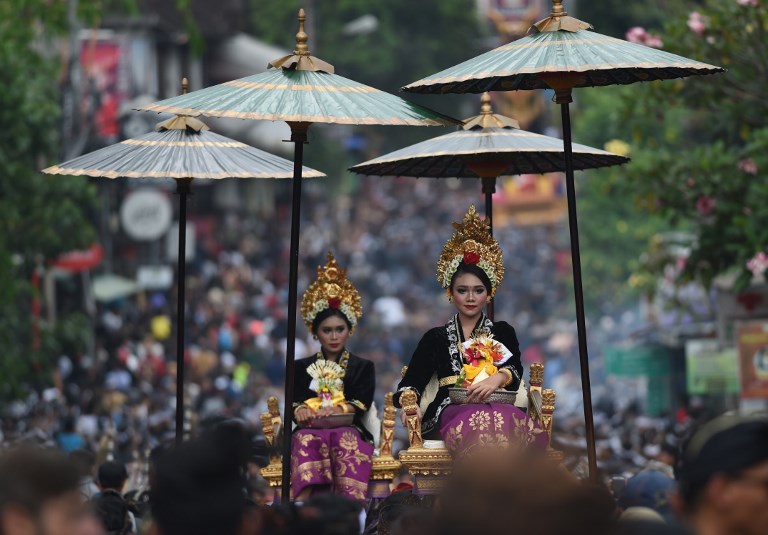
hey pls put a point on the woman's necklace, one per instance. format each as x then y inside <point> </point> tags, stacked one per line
<point>343,361</point>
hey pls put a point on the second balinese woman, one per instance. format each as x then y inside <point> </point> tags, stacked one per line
<point>332,382</point>
<point>470,352</point>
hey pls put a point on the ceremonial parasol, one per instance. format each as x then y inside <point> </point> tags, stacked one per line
<point>488,146</point>
<point>182,148</point>
<point>300,89</point>
<point>561,54</point>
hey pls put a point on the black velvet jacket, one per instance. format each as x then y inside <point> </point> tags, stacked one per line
<point>432,356</point>
<point>359,386</point>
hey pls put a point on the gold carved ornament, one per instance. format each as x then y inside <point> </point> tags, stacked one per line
<point>471,243</point>
<point>410,404</point>
<point>332,289</point>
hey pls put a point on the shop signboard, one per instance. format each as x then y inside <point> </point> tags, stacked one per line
<point>752,342</point>
<point>710,369</point>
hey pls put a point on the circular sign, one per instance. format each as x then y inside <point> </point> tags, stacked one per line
<point>146,214</point>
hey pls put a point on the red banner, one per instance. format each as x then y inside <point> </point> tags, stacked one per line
<point>76,261</point>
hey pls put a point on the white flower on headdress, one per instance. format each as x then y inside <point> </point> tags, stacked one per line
<point>322,304</point>
<point>454,265</point>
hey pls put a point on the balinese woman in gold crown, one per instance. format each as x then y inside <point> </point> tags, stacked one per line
<point>333,385</point>
<point>470,351</point>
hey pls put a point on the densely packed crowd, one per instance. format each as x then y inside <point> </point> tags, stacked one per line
<point>112,412</point>
<point>208,485</point>
<point>388,233</point>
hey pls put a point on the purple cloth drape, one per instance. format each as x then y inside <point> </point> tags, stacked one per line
<point>337,458</point>
<point>465,428</point>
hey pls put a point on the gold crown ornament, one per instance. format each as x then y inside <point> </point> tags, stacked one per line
<point>332,289</point>
<point>473,244</point>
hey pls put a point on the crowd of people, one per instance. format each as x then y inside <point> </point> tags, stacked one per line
<point>236,304</point>
<point>111,410</point>
<point>204,486</point>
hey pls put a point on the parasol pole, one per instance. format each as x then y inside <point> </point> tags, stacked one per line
<point>182,189</point>
<point>563,84</point>
<point>488,171</point>
<point>299,138</point>
<point>489,188</point>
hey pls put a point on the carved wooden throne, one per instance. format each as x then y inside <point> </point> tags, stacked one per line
<point>430,462</point>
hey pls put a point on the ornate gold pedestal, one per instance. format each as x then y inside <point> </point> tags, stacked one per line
<point>429,467</point>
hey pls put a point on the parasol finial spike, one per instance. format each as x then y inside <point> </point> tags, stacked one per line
<point>559,20</point>
<point>184,85</point>
<point>485,104</point>
<point>558,10</point>
<point>301,37</point>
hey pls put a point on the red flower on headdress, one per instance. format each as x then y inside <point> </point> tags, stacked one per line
<point>334,302</point>
<point>471,257</point>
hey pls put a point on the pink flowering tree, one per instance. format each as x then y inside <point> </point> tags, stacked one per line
<point>699,145</point>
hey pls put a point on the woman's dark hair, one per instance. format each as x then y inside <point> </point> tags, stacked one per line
<point>327,313</point>
<point>475,270</point>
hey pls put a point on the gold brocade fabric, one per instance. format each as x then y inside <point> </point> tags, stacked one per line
<point>338,458</point>
<point>473,427</point>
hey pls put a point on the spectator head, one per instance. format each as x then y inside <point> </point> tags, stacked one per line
<point>112,475</point>
<point>329,514</point>
<point>723,475</point>
<point>648,489</point>
<point>38,493</point>
<point>538,496</point>
<point>84,461</point>
<point>68,424</point>
<point>198,487</point>
<point>397,509</point>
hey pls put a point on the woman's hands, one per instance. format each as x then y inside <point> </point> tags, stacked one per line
<point>327,411</point>
<point>479,392</point>
<point>305,415</point>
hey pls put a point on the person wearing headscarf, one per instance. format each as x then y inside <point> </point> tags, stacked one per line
<point>329,385</point>
<point>470,351</point>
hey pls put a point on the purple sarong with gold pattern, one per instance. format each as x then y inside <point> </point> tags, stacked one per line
<point>337,458</point>
<point>465,428</point>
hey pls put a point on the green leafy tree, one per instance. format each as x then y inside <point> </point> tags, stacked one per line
<point>42,216</point>
<point>698,149</point>
<point>705,171</point>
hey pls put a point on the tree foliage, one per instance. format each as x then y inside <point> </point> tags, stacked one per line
<point>42,216</point>
<point>698,148</point>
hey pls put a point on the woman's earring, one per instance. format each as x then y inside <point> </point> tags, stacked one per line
<point>314,337</point>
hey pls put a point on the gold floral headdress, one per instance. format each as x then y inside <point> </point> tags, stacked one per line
<point>472,243</point>
<point>332,289</point>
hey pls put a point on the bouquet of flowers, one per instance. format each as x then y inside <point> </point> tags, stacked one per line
<point>482,356</point>
<point>327,382</point>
